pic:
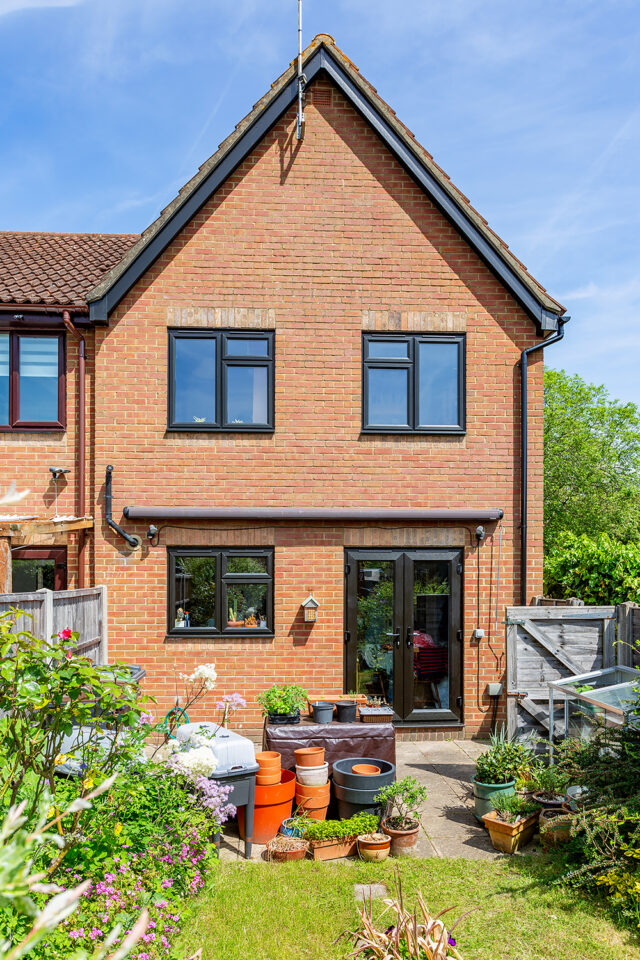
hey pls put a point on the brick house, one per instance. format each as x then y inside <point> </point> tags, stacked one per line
<point>306,377</point>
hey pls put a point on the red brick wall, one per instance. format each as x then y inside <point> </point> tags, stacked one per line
<point>318,241</point>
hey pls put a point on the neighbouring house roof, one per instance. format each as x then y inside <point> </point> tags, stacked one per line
<point>56,268</point>
<point>323,55</point>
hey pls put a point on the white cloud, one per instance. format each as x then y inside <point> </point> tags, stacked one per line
<point>16,6</point>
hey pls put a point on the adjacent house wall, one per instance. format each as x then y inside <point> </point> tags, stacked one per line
<point>318,240</point>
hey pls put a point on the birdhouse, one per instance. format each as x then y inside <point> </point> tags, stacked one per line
<point>310,607</point>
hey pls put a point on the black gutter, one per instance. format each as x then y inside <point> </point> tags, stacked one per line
<point>133,542</point>
<point>309,513</point>
<point>524,466</point>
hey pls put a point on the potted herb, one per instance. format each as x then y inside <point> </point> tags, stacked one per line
<point>512,824</point>
<point>405,797</point>
<point>497,769</point>
<point>331,839</point>
<point>281,704</point>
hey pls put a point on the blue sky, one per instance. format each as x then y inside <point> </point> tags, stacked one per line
<point>532,107</point>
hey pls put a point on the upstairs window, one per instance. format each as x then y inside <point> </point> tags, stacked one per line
<point>31,381</point>
<point>413,383</point>
<point>220,591</point>
<point>221,380</point>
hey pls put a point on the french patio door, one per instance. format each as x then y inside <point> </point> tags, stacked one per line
<point>403,631</point>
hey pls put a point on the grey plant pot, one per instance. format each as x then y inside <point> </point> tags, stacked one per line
<point>322,711</point>
<point>343,776</point>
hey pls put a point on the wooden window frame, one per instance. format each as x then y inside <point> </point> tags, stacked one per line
<point>411,364</point>
<point>223,362</point>
<point>223,580</point>
<point>14,383</point>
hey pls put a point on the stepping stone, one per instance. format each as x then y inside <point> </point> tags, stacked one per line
<point>369,891</point>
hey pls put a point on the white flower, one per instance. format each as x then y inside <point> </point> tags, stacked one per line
<point>206,673</point>
<point>197,763</point>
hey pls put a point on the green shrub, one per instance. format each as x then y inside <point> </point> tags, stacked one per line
<point>341,829</point>
<point>598,570</point>
<point>405,797</point>
<point>512,808</point>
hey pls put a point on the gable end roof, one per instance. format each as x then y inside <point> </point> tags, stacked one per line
<point>323,55</point>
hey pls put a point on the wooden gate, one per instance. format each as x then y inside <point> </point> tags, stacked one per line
<point>546,644</point>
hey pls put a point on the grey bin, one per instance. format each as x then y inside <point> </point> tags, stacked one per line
<point>346,711</point>
<point>350,790</point>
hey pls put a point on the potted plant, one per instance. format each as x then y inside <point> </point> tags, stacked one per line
<point>497,769</point>
<point>550,787</point>
<point>281,704</point>
<point>331,839</point>
<point>374,846</point>
<point>281,849</point>
<point>512,824</point>
<point>555,826</point>
<point>405,797</point>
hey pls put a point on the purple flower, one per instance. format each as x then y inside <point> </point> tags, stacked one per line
<point>231,702</point>
<point>451,941</point>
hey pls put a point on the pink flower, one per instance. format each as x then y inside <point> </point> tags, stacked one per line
<point>65,634</point>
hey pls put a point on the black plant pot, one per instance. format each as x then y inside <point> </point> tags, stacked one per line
<point>346,711</point>
<point>276,719</point>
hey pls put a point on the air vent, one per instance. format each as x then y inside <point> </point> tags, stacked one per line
<point>321,96</point>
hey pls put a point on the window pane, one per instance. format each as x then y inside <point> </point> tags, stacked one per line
<point>438,386</point>
<point>195,380</point>
<point>388,349</point>
<point>38,378</point>
<point>247,605</point>
<point>246,394</point>
<point>243,347</point>
<point>4,378</point>
<point>246,565</point>
<point>195,592</point>
<point>388,392</point>
<point>30,575</point>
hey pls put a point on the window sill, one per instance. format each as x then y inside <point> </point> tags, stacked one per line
<point>212,429</point>
<point>431,432</point>
<point>34,428</point>
<point>239,634</point>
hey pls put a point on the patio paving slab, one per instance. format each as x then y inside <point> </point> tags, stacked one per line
<point>445,768</point>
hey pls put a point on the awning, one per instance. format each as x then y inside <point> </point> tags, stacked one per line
<point>410,514</point>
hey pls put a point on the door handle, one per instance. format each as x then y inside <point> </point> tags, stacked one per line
<point>395,637</point>
<point>409,638</point>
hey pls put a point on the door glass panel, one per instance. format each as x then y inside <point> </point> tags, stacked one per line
<point>375,608</point>
<point>431,598</point>
<point>30,575</point>
<point>388,397</point>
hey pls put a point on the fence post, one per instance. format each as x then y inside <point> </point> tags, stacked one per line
<point>47,613</point>
<point>625,645</point>
<point>104,636</point>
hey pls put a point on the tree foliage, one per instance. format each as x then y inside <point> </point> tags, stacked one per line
<point>598,570</point>
<point>591,461</point>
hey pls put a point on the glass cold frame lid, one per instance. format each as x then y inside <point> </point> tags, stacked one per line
<point>622,696</point>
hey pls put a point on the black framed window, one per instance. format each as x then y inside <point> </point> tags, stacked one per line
<point>32,381</point>
<point>413,383</point>
<point>221,380</point>
<point>220,591</point>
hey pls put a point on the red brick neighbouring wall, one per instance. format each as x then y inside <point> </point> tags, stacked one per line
<point>317,240</point>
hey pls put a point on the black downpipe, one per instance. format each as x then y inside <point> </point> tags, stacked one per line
<point>524,470</point>
<point>132,541</point>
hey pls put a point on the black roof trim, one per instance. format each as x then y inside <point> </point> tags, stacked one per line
<point>321,59</point>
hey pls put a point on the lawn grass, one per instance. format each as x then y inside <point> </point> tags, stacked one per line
<point>262,911</point>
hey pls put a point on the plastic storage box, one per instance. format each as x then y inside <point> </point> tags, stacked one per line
<point>231,750</point>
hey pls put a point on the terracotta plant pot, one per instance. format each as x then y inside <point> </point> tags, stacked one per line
<point>309,756</point>
<point>303,790</point>
<point>269,761</point>
<point>273,805</point>
<point>366,769</point>
<point>374,846</point>
<point>509,837</point>
<point>332,849</point>
<point>282,849</point>
<point>314,807</point>
<point>555,827</point>
<point>403,842</point>
<point>268,779</point>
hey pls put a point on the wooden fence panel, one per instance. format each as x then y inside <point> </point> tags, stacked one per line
<point>82,610</point>
<point>628,646</point>
<point>545,644</point>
